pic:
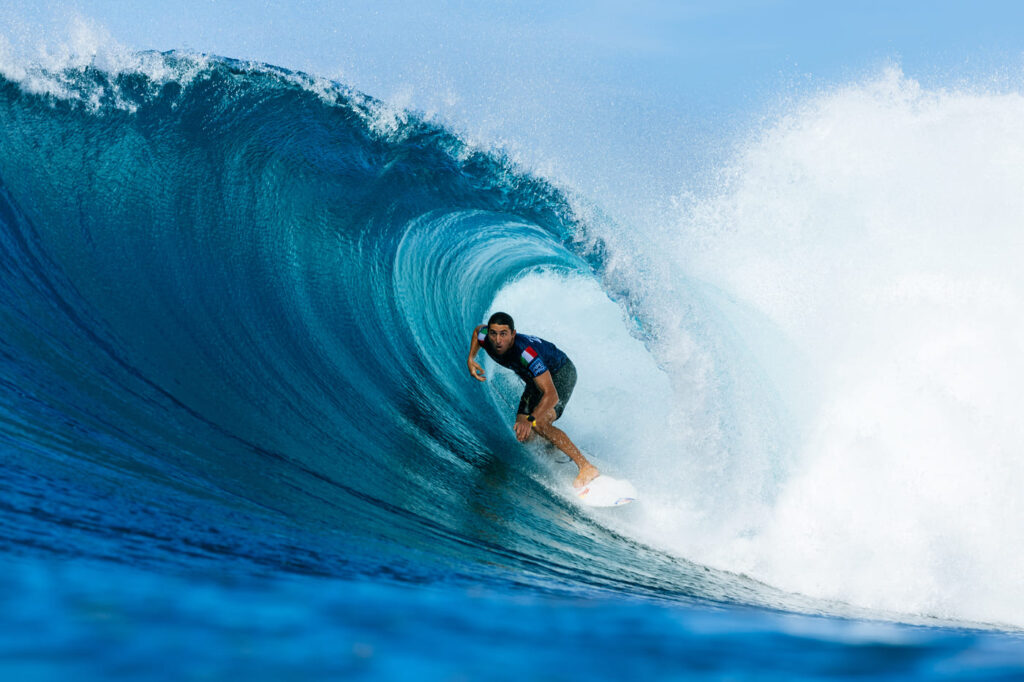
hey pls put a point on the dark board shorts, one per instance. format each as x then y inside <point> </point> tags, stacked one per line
<point>564,379</point>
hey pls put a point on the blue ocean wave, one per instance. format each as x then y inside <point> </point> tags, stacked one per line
<point>234,326</point>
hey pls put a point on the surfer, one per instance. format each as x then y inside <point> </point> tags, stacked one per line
<point>549,375</point>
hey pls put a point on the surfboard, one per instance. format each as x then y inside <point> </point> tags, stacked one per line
<point>605,491</point>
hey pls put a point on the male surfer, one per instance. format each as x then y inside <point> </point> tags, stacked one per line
<point>549,375</point>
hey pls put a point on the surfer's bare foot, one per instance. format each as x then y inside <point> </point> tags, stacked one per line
<point>588,472</point>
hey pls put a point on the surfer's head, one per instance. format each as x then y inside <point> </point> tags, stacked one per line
<point>501,330</point>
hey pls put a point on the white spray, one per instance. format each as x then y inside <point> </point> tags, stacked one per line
<point>864,255</point>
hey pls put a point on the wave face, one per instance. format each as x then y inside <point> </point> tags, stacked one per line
<point>235,320</point>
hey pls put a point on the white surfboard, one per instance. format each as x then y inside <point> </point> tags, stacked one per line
<point>605,491</point>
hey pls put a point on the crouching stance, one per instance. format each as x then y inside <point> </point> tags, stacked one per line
<point>549,375</point>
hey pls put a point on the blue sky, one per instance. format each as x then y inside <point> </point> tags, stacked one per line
<point>611,97</point>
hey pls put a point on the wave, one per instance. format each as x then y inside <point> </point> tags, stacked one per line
<point>235,319</point>
<point>236,309</point>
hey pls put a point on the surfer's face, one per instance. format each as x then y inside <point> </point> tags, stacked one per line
<point>501,337</point>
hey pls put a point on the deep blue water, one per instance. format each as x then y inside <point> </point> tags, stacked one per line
<point>237,436</point>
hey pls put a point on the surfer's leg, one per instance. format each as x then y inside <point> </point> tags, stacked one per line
<point>588,472</point>
<point>565,381</point>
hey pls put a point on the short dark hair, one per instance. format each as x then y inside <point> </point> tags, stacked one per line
<point>502,318</point>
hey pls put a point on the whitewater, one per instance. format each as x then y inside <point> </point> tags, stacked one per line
<point>235,312</point>
<point>853,306</point>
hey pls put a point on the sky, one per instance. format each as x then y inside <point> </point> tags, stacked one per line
<point>615,99</point>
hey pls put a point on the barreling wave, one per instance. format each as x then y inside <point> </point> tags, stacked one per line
<point>234,322</point>
<point>235,312</point>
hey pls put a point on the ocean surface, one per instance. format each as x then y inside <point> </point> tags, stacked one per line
<point>238,439</point>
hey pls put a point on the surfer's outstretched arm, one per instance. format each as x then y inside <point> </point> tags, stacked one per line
<point>475,370</point>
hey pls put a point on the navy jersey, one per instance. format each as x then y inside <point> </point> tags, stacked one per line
<point>529,356</point>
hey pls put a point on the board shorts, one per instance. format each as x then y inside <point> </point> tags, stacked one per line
<point>564,379</point>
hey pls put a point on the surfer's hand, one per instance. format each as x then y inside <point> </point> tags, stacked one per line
<point>476,370</point>
<point>523,429</point>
